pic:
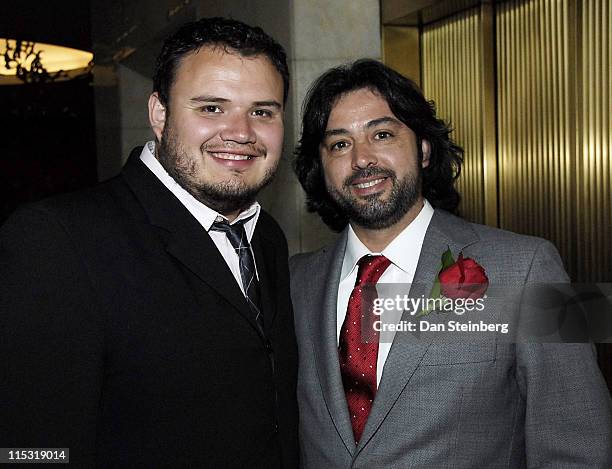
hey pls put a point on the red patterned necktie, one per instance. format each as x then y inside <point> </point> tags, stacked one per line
<point>358,359</point>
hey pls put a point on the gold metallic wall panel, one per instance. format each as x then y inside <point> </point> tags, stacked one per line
<point>451,67</point>
<point>401,50</point>
<point>535,142</point>
<point>548,161</point>
<point>593,194</point>
<point>554,129</point>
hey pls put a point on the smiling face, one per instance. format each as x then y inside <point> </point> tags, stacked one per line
<point>371,162</point>
<point>221,135</point>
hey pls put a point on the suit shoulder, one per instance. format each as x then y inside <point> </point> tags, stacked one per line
<point>535,258</point>
<point>536,251</point>
<point>454,225</point>
<point>302,261</point>
<point>490,234</point>
<point>95,201</point>
<point>87,214</point>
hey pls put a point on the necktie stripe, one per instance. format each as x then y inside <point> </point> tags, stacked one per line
<point>237,237</point>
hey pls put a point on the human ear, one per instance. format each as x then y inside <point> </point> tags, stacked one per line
<point>426,152</point>
<point>157,115</point>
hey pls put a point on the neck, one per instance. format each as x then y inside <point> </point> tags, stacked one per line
<point>376,240</point>
<point>231,216</point>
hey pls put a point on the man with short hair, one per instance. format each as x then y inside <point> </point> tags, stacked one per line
<point>379,166</point>
<point>146,322</point>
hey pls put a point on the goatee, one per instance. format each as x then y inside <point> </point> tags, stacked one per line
<point>372,212</point>
<point>223,197</point>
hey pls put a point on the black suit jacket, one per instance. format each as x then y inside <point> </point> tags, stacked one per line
<point>125,337</point>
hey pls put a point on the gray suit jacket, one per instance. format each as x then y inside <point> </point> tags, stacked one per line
<point>494,405</point>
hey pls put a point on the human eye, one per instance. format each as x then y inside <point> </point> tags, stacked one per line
<point>382,135</point>
<point>211,109</point>
<point>262,113</point>
<point>338,145</point>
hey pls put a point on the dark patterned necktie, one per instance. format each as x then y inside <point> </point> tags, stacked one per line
<point>238,238</point>
<point>358,359</point>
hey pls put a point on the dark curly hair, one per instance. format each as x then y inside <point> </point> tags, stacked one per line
<point>407,103</point>
<point>232,35</point>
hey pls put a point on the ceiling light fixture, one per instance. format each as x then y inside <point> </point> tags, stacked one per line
<point>29,62</point>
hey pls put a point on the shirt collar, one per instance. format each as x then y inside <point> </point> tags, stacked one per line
<point>205,215</point>
<point>403,251</point>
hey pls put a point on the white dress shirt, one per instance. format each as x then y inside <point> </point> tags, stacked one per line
<point>206,216</point>
<point>403,252</point>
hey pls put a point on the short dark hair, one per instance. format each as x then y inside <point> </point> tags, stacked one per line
<point>232,35</point>
<point>407,103</point>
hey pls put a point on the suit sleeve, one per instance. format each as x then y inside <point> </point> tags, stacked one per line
<point>568,416</point>
<point>51,340</point>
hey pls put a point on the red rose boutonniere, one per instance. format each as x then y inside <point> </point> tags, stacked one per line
<point>461,278</point>
<point>465,278</point>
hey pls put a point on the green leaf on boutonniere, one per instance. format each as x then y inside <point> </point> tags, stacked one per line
<point>447,259</point>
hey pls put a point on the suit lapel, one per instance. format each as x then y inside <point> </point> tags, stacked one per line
<point>327,270</point>
<point>185,238</point>
<point>196,251</point>
<point>265,261</point>
<point>406,352</point>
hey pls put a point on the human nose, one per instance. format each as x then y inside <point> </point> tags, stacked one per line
<point>363,156</point>
<point>238,129</point>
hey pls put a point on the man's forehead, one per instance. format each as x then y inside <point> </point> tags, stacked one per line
<point>360,108</point>
<point>359,94</point>
<point>359,101</point>
<point>213,71</point>
<point>220,55</point>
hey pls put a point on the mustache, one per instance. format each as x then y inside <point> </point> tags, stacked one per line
<point>368,172</point>
<point>257,150</point>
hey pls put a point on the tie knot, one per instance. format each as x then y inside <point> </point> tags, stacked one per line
<point>235,233</point>
<point>371,269</point>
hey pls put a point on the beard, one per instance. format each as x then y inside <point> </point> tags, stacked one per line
<point>372,212</point>
<point>223,197</point>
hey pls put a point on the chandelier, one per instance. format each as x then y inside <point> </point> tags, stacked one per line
<point>29,62</point>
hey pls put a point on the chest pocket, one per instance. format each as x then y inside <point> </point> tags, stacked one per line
<point>456,354</point>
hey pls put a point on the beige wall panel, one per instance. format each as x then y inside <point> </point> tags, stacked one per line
<point>451,70</point>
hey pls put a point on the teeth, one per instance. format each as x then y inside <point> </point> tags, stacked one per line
<point>364,185</point>
<point>232,156</point>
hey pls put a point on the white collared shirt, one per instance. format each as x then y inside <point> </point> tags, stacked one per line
<point>403,252</point>
<point>205,215</point>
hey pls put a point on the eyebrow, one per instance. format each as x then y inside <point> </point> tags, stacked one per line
<point>205,98</point>
<point>216,99</point>
<point>383,120</point>
<point>332,132</point>
<point>369,125</point>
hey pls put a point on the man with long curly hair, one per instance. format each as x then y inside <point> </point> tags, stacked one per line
<point>378,166</point>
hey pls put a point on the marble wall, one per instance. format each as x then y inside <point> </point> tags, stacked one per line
<point>325,33</point>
